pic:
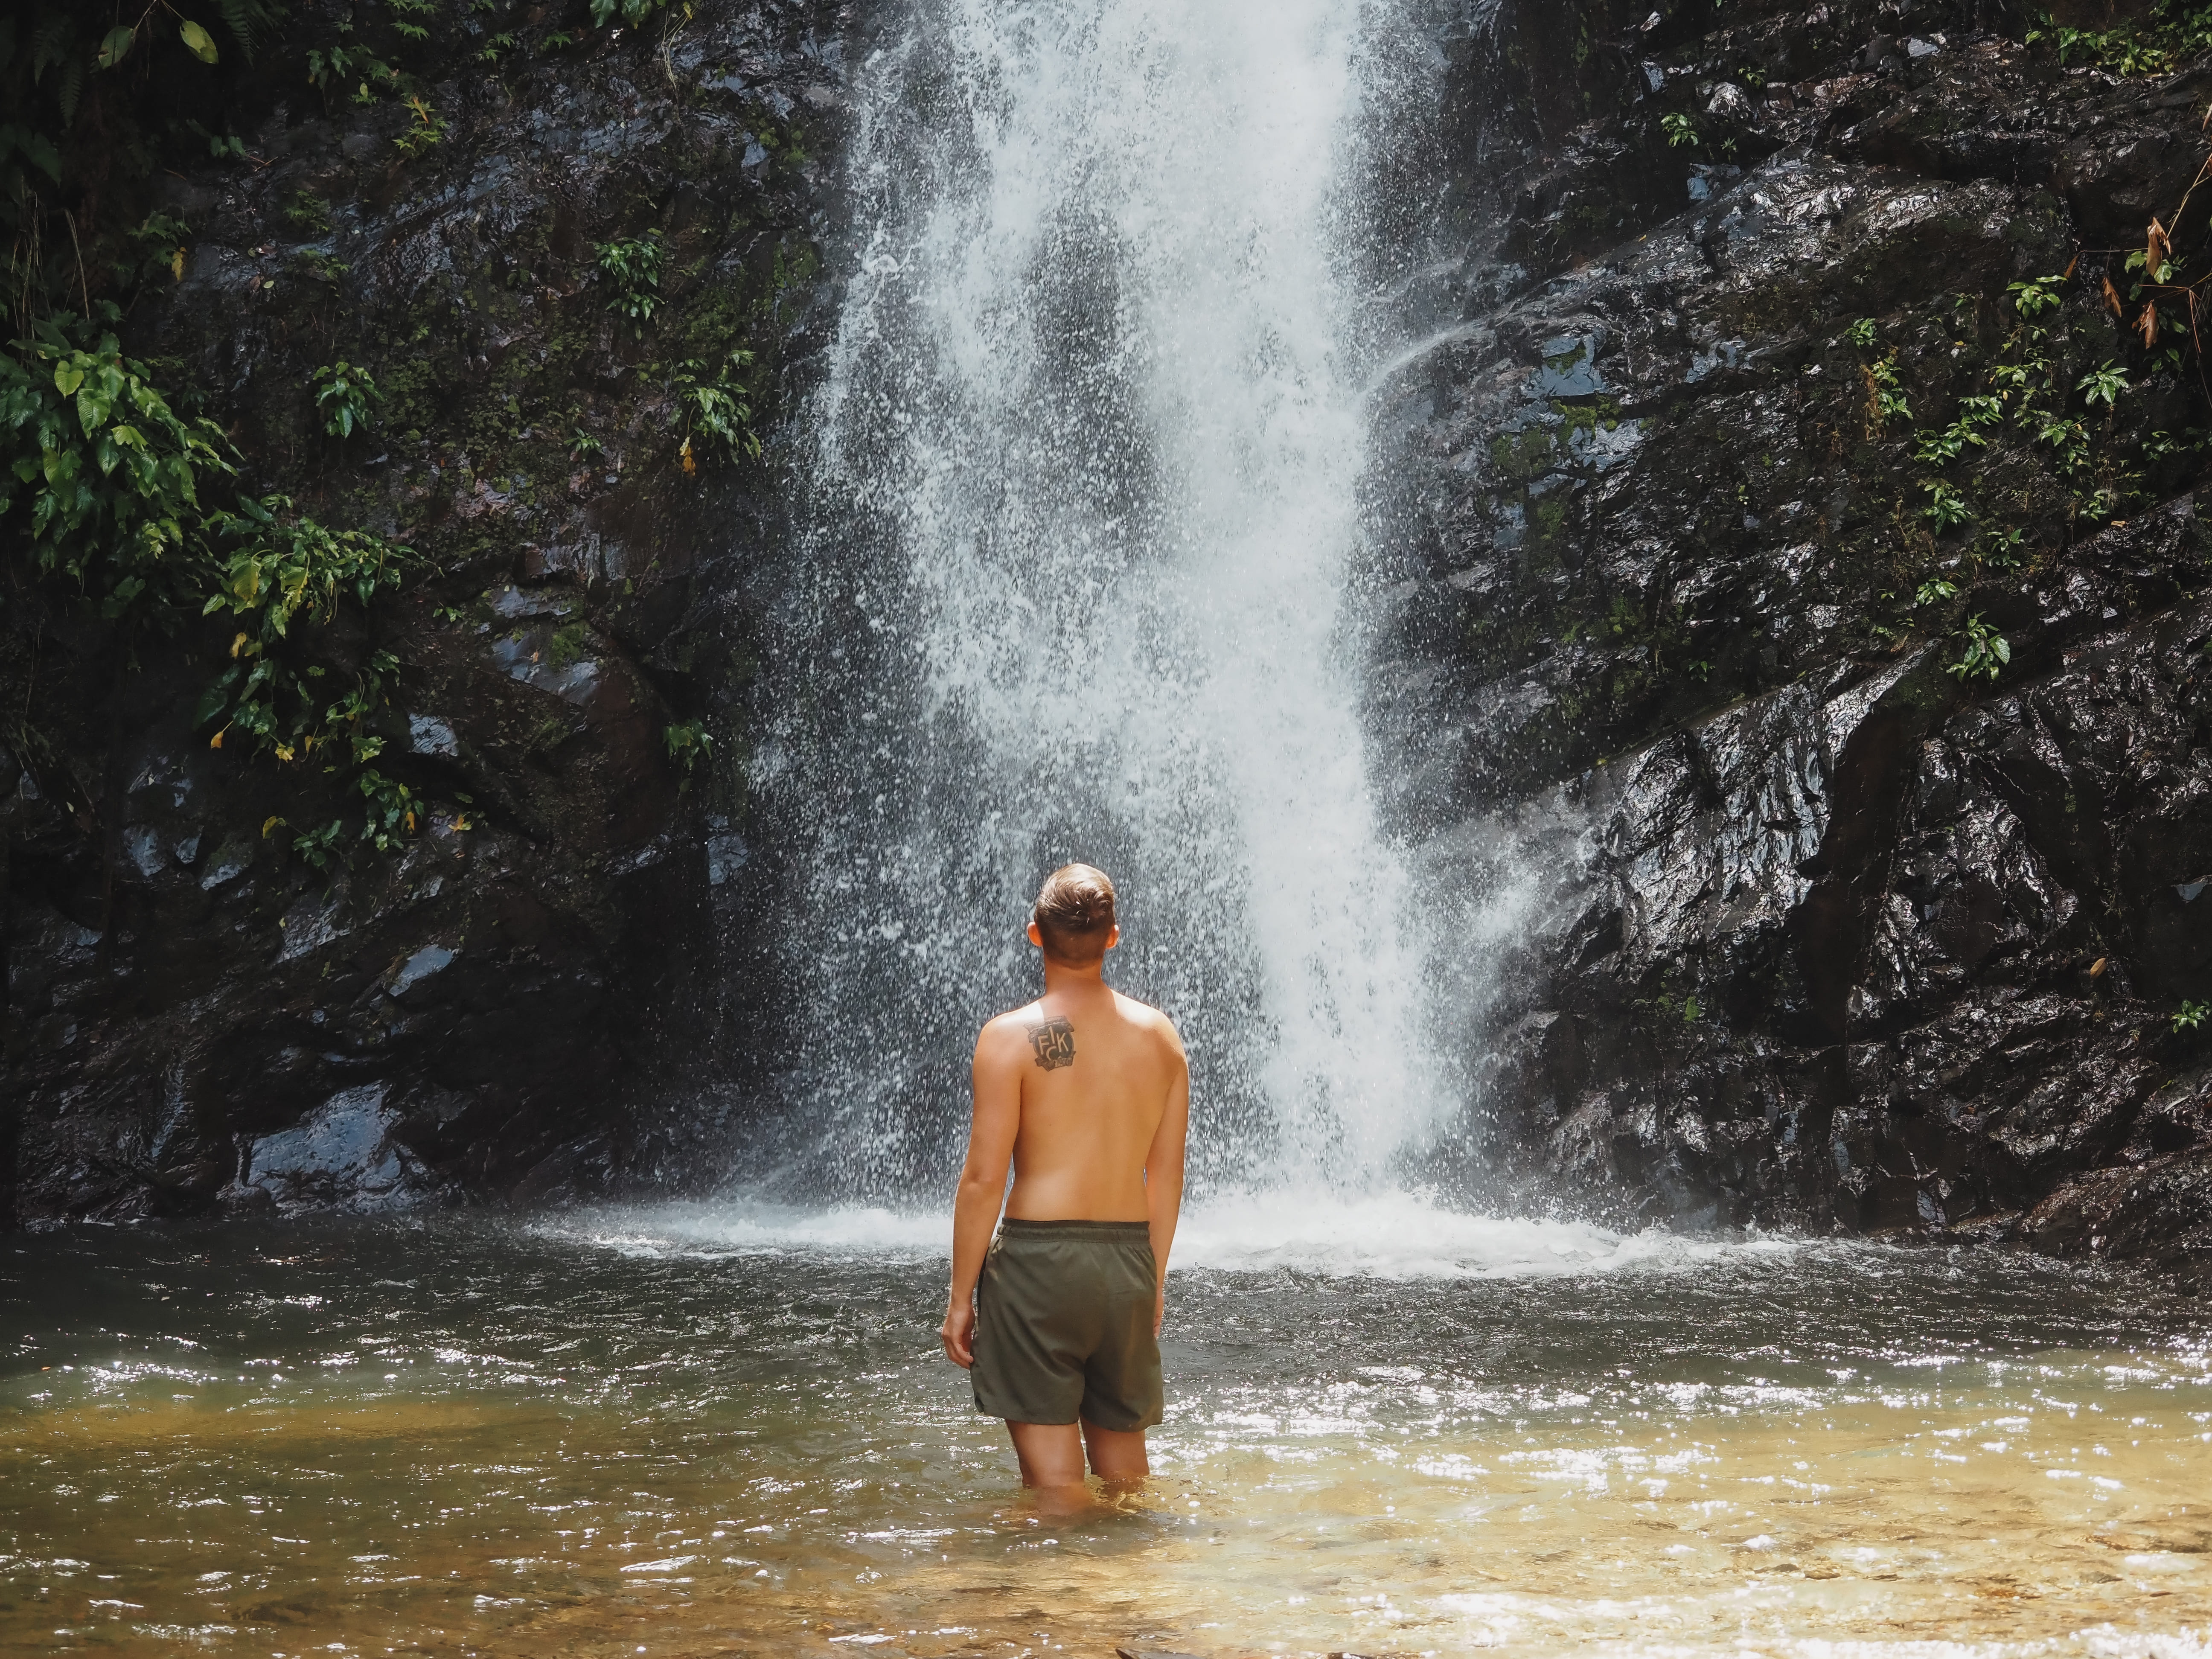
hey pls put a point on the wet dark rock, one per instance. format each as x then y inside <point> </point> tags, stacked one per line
<point>1809,930</point>
<point>195,1019</point>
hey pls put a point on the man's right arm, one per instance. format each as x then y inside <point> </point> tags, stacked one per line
<point>998,1119</point>
<point>1164,1173</point>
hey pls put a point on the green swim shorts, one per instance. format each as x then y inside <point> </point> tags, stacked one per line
<point>1064,1325</point>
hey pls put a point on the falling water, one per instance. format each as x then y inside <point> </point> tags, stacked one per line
<point>1082,471</point>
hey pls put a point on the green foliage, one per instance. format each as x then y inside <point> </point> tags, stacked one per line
<point>1523,455</point>
<point>1986,651</point>
<point>2139,264</point>
<point>59,63</point>
<point>308,214</point>
<point>156,245</point>
<point>425,133</point>
<point>632,12</point>
<point>632,267</point>
<point>102,470</point>
<point>330,69</point>
<point>106,472</point>
<point>1886,396</point>
<point>2000,548</point>
<point>344,394</point>
<point>2153,44</point>
<point>2190,1016</point>
<point>2069,437</point>
<point>284,580</point>
<point>394,811</point>
<point>569,645</point>
<point>317,266</point>
<point>1935,590</point>
<point>1940,446</point>
<point>220,146</point>
<point>1860,333</point>
<point>2036,295</point>
<point>688,743</point>
<point>1681,130</point>
<point>1946,508</point>
<point>283,567</point>
<point>2104,385</point>
<point>717,410</point>
<point>405,15</point>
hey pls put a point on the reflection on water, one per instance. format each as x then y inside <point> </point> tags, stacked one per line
<point>692,1432</point>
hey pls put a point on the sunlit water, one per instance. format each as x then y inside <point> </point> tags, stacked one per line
<point>699,1431</point>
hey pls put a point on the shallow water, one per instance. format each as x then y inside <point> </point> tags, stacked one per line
<point>697,1430</point>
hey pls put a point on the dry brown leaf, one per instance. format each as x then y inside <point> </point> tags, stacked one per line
<point>2157,245</point>
<point>2112,299</point>
<point>2150,323</point>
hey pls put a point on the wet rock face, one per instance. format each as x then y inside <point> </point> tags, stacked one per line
<point>1815,927</point>
<point>196,1019</point>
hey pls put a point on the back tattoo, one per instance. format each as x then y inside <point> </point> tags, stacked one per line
<point>1054,1041</point>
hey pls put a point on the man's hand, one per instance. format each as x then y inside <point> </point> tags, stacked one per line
<point>1159,1308</point>
<point>959,1331</point>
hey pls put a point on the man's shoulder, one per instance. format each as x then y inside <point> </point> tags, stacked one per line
<point>1144,1016</point>
<point>1014,1021</point>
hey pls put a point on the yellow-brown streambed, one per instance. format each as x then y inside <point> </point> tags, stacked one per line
<point>614,1436</point>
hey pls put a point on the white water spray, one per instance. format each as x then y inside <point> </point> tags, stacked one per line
<point>1082,509</point>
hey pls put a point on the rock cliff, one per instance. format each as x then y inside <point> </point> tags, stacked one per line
<point>198,1015</point>
<point>1798,638</point>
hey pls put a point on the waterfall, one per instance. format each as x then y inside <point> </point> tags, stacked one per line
<point>1079,514</point>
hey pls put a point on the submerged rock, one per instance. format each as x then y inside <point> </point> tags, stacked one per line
<point>342,1155</point>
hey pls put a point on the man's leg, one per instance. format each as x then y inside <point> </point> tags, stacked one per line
<point>1116,1455</point>
<point>1051,1454</point>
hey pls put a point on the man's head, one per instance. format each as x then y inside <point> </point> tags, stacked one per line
<point>1074,921</point>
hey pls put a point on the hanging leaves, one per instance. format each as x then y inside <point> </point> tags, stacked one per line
<point>108,470</point>
<point>197,40</point>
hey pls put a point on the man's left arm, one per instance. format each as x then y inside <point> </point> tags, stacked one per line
<point>1163,1177</point>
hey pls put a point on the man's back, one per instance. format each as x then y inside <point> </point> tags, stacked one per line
<point>1094,1070</point>
<point>1085,1094</point>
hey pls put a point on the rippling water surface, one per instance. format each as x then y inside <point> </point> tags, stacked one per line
<point>700,1430</point>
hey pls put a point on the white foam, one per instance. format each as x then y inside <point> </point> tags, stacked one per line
<point>1385,1236</point>
<point>1405,1236</point>
<point>744,1227</point>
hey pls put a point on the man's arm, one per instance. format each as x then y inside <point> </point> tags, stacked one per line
<point>1163,1175</point>
<point>998,1083</point>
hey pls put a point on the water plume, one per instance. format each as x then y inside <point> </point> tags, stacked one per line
<point>1081,509</point>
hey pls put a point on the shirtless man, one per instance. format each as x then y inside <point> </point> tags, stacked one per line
<point>1058,1318</point>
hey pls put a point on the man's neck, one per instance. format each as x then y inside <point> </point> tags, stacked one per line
<point>1060,979</point>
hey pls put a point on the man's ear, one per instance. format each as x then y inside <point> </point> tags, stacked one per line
<point>1035,937</point>
<point>1114,936</point>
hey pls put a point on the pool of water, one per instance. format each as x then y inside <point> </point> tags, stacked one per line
<point>705,1429</point>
